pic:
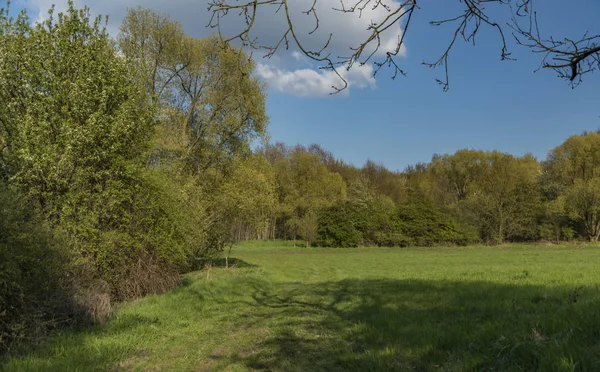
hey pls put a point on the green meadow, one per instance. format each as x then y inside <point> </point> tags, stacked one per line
<point>280,308</point>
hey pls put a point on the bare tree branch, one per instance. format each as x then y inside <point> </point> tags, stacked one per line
<point>570,58</point>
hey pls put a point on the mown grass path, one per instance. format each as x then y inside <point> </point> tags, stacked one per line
<point>280,308</point>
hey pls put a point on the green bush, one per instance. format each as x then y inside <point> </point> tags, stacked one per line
<point>365,219</point>
<point>80,131</point>
<point>33,288</point>
<point>418,221</point>
<point>338,226</point>
<point>392,239</point>
<point>426,224</point>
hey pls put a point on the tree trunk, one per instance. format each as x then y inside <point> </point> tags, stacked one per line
<point>592,227</point>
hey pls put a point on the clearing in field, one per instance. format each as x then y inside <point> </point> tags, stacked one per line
<point>295,309</point>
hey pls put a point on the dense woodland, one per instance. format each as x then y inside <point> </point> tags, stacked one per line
<point>126,162</point>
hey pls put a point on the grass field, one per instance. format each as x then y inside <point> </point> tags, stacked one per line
<point>281,308</point>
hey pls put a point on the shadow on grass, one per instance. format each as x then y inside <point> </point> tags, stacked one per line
<point>233,262</point>
<point>394,325</point>
<point>368,325</point>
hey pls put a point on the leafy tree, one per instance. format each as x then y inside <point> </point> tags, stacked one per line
<point>578,158</point>
<point>571,173</point>
<point>384,181</point>
<point>209,109</point>
<point>582,202</point>
<point>456,175</point>
<point>250,192</point>
<point>507,202</point>
<point>152,42</point>
<point>210,106</point>
<point>75,132</point>
<point>220,107</point>
<point>304,187</point>
<point>71,119</point>
<point>243,204</point>
<point>555,224</point>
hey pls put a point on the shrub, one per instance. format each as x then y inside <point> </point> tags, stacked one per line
<point>338,226</point>
<point>79,130</point>
<point>33,288</point>
<point>426,224</point>
<point>392,239</point>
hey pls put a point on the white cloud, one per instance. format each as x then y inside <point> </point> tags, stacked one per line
<point>290,72</point>
<point>298,56</point>
<point>311,83</point>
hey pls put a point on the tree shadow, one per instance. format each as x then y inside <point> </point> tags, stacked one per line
<point>233,262</point>
<point>351,325</point>
<point>381,325</point>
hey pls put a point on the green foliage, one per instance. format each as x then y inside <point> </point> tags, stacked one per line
<point>242,201</point>
<point>137,203</point>
<point>504,200</point>
<point>72,122</point>
<point>152,43</point>
<point>210,106</point>
<point>366,218</point>
<point>556,234</point>
<point>72,119</point>
<point>455,176</point>
<point>426,224</point>
<point>582,203</point>
<point>577,158</point>
<point>555,225</point>
<point>76,130</point>
<point>573,174</point>
<point>339,226</point>
<point>33,272</point>
<point>392,239</point>
<point>305,186</point>
<point>209,109</point>
<point>383,181</point>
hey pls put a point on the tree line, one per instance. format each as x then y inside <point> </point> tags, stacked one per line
<point>471,196</point>
<point>126,162</point>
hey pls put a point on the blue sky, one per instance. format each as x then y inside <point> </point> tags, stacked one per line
<point>491,104</point>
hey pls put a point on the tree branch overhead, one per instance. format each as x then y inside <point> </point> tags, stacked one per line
<point>571,58</point>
